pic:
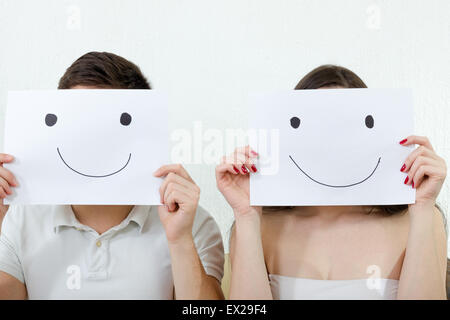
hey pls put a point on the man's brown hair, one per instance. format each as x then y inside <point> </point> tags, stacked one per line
<point>103,70</point>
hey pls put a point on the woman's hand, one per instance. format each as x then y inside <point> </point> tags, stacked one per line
<point>426,170</point>
<point>426,254</point>
<point>250,279</point>
<point>7,181</point>
<point>179,196</point>
<point>232,176</point>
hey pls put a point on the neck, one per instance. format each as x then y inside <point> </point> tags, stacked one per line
<point>101,218</point>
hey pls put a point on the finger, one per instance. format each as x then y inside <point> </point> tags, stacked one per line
<point>6,158</point>
<point>170,202</point>
<point>251,166</point>
<point>420,161</point>
<point>226,167</point>
<point>423,141</point>
<point>246,166</point>
<point>241,162</point>
<point>173,195</point>
<point>236,158</point>
<point>237,161</point>
<point>176,197</point>
<point>3,194</point>
<point>174,179</point>
<point>247,151</point>
<point>249,154</point>
<point>424,172</point>
<point>420,151</point>
<point>240,165</point>
<point>5,186</point>
<point>163,189</point>
<point>8,176</point>
<point>171,206</point>
<point>176,168</point>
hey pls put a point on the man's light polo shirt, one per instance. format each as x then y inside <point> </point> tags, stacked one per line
<point>57,257</point>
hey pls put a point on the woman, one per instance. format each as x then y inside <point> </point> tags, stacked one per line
<point>340,252</point>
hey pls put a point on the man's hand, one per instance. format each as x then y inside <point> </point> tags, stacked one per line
<point>179,196</point>
<point>7,181</point>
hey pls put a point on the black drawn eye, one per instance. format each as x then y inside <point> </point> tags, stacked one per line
<point>369,122</point>
<point>50,119</point>
<point>125,119</point>
<point>295,122</point>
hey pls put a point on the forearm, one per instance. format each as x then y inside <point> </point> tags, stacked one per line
<point>422,275</point>
<point>189,276</point>
<point>249,279</point>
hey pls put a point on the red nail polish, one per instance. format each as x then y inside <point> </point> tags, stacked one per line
<point>406,180</point>
<point>403,168</point>
<point>236,169</point>
<point>254,168</point>
<point>403,141</point>
<point>413,184</point>
<point>244,169</point>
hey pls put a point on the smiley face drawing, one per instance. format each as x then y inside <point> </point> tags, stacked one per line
<point>87,146</point>
<point>125,120</point>
<point>295,123</point>
<point>330,147</point>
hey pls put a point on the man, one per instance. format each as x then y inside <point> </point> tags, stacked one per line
<point>110,252</point>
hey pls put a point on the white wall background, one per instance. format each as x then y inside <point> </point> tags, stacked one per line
<point>208,54</point>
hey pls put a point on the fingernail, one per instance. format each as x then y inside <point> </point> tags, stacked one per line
<point>406,180</point>
<point>236,169</point>
<point>403,141</point>
<point>254,153</point>
<point>403,168</point>
<point>254,168</point>
<point>413,184</point>
<point>244,169</point>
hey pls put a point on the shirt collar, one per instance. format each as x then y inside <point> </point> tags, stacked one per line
<point>64,217</point>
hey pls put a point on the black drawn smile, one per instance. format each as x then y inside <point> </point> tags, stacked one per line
<point>93,176</point>
<point>337,186</point>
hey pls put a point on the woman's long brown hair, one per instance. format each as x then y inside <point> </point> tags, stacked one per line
<point>331,76</point>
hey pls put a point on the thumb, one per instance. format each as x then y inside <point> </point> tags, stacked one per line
<point>163,211</point>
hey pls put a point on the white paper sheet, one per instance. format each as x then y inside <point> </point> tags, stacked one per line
<point>88,156</point>
<point>332,157</point>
